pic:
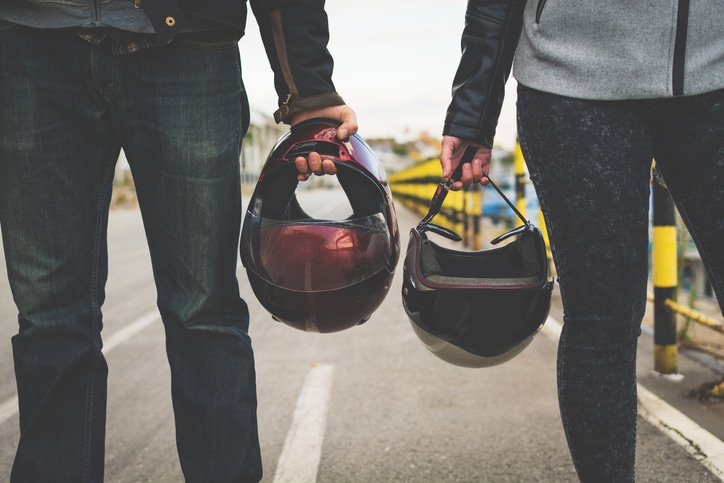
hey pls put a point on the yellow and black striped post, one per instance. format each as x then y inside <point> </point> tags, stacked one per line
<point>477,218</point>
<point>544,230</point>
<point>466,215</point>
<point>519,166</point>
<point>665,281</point>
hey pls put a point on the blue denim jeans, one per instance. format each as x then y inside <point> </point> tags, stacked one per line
<point>590,162</point>
<point>67,109</point>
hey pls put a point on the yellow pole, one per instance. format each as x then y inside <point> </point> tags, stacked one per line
<point>459,213</point>
<point>544,231</point>
<point>477,218</point>
<point>665,281</point>
<point>519,165</point>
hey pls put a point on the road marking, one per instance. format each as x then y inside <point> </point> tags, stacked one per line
<point>700,443</point>
<point>299,460</point>
<point>122,335</point>
<point>9,407</point>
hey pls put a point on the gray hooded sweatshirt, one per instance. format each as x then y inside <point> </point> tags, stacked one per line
<point>622,49</point>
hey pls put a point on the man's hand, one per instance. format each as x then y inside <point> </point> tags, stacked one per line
<point>315,164</point>
<point>475,172</point>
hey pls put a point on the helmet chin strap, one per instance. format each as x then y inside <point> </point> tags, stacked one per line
<point>441,192</point>
<point>443,188</point>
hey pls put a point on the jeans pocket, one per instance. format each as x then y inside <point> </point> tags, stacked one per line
<point>208,40</point>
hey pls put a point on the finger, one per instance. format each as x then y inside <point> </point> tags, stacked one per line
<point>476,169</point>
<point>329,167</point>
<point>467,177</point>
<point>315,163</point>
<point>447,155</point>
<point>301,164</point>
<point>349,123</point>
<point>484,178</point>
<point>446,163</point>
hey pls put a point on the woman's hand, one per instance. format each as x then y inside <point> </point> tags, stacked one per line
<point>474,172</point>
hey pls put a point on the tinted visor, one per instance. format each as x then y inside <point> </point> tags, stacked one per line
<point>318,255</point>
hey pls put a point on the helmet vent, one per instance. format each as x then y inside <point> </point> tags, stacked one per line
<point>321,147</point>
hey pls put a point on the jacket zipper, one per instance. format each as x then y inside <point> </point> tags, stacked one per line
<point>539,10</point>
<point>682,23</point>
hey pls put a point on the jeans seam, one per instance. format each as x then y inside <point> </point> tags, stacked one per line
<point>541,200</point>
<point>95,303</point>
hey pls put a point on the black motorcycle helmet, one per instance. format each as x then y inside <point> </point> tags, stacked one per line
<point>320,275</point>
<point>476,308</point>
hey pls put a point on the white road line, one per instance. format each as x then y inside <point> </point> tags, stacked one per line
<point>700,443</point>
<point>122,335</point>
<point>9,407</point>
<point>299,460</point>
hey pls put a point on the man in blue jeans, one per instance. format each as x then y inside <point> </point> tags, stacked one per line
<point>162,80</point>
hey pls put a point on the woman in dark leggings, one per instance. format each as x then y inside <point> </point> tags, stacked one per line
<point>604,88</point>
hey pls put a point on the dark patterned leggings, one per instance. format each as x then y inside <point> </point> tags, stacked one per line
<point>590,162</point>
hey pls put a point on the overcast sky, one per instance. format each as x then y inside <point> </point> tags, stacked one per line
<point>394,64</point>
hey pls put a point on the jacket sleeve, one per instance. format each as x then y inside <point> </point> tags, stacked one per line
<point>295,35</point>
<point>489,39</point>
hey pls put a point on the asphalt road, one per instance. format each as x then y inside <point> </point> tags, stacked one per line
<point>369,404</point>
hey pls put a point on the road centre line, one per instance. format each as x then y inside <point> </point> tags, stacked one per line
<point>302,451</point>
<point>700,443</point>
<point>9,407</point>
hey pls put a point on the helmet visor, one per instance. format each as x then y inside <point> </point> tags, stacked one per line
<point>319,255</point>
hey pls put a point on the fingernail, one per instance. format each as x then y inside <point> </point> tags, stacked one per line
<point>342,134</point>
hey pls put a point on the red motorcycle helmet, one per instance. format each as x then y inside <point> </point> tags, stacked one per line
<point>320,275</point>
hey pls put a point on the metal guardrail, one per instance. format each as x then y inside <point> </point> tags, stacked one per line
<point>694,315</point>
<point>691,314</point>
<point>462,210</point>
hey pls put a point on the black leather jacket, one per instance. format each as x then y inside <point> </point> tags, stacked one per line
<point>492,29</point>
<point>295,35</point>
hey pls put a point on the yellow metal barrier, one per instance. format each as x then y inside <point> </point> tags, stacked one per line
<point>415,186</point>
<point>462,210</point>
<point>692,314</point>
